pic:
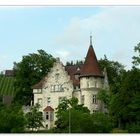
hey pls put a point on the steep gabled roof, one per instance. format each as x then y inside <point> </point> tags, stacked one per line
<point>91,66</point>
<point>39,84</point>
<point>72,71</point>
<point>48,108</point>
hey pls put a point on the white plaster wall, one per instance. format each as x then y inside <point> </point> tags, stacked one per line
<point>77,94</point>
<point>63,79</point>
<point>36,97</point>
<point>90,88</point>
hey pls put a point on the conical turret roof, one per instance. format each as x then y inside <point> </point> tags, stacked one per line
<point>91,66</point>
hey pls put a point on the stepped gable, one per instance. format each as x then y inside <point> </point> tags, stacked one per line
<point>48,108</point>
<point>72,71</point>
<point>91,66</point>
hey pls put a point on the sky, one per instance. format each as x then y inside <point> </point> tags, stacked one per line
<point>64,31</point>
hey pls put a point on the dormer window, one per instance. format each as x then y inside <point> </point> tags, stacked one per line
<point>78,69</point>
<point>56,76</point>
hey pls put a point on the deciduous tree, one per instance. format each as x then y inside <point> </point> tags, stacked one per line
<point>30,71</point>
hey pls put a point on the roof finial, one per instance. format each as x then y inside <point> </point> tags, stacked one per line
<point>90,38</point>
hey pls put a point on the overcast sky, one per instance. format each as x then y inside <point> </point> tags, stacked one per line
<point>64,32</point>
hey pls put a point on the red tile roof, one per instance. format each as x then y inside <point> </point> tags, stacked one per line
<point>48,108</point>
<point>91,66</point>
<point>9,73</point>
<point>38,85</point>
<point>72,71</point>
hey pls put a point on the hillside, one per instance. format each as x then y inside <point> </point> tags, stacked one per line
<point>6,85</point>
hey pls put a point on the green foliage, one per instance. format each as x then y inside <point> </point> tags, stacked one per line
<point>78,62</point>
<point>28,72</point>
<point>11,119</point>
<point>34,118</point>
<point>133,128</point>
<point>101,123</point>
<point>6,85</point>
<point>136,59</point>
<point>76,118</point>
<point>125,104</point>
<point>114,71</point>
<point>104,96</point>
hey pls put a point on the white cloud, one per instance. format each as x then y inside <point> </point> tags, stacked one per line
<point>63,53</point>
<point>113,29</point>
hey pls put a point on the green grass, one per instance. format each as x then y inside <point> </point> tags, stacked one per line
<point>6,85</point>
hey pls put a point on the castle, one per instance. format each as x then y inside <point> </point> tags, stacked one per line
<point>63,82</point>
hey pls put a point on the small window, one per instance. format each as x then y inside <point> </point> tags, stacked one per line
<point>46,126</point>
<point>48,100</point>
<point>56,76</point>
<point>96,84</point>
<point>52,87</point>
<point>94,99</point>
<point>47,115</point>
<point>61,88</point>
<point>95,111</point>
<point>87,84</point>
<point>78,69</point>
<point>39,101</point>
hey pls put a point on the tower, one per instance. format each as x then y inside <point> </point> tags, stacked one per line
<point>91,80</point>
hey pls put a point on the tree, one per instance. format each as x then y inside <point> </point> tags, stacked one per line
<point>114,71</point>
<point>11,119</point>
<point>102,123</point>
<point>34,118</point>
<point>104,96</point>
<point>65,112</point>
<point>125,104</point>
<point>28,72</point>
<point>136,59</point>
<point>75,118</point>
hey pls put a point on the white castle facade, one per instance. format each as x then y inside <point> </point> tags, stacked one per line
<point>63,82</point>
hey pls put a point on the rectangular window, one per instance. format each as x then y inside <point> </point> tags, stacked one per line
<point>61,88</point>
<point>87,84</point>
<point>94,99</point>
<point>96,84</point>
<point>39,101</point>
<point>47,115</point>
<point>56,88</point>
<point>48,100</point>
<point>56,76</point>
<point>39,90</point>
<point>52,88</point>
